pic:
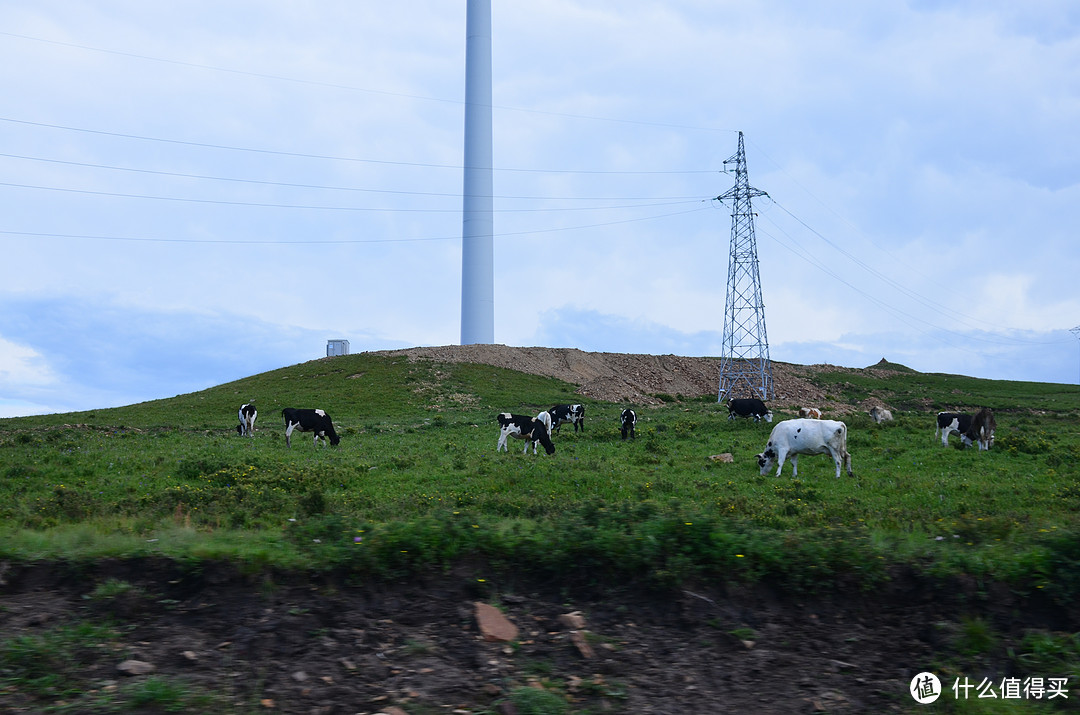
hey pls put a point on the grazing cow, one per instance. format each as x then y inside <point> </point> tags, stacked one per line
<point>247,415</point>
<point>629,421</point>
<point>545,417</point>
<point>315,421</point>
<point>530,429</point>
<point>982,429</point>
<point>949,422</point>
<point>804,436</point>
<point>880,414</point>
<point>810,413</point>
<point>748,406</point>
<point>568,413</point>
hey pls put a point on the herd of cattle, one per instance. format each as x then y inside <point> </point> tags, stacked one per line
<point>806,434</point>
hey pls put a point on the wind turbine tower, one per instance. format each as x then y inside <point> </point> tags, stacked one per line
<point>745,369</point>
<point>477,231</point>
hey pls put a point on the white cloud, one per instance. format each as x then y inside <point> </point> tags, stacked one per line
<point>21,365</point>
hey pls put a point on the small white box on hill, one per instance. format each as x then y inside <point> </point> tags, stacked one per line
<point>337,347</point>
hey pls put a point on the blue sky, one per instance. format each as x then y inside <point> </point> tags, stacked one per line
<point>193,193</point>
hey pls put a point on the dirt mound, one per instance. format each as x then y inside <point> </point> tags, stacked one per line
<point>624,377</point>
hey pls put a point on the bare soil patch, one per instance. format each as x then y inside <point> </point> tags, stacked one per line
<point>638,379</point>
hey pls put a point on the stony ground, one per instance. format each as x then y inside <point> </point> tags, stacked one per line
<point>319,644</point>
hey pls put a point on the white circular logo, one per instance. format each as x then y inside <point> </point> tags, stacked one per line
<point>925,688</point>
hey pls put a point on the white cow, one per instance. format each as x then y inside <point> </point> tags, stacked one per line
<point>805,436</point>
<point>880,414</point>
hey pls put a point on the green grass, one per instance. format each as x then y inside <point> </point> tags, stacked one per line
<point>416,483</point>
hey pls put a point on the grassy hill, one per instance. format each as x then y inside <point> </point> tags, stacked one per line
<point>416,481</point>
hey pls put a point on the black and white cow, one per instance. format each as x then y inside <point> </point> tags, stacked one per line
<point>315,421</point>
<point>629,422</point>
<point>791,438</point>
<point>530,429</point>
<point>247,415</point>
<point>748,407</point>
<point>982,429</point>
<point>949,422</point>
<point>567,413</point>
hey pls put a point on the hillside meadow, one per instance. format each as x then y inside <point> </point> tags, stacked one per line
<point>416,483</point>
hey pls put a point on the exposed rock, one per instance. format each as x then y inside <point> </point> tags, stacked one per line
<point>579,639</point>
<point>574,621</point>
<point>136,667</point>
<point>494,626</point>
<point>726,457</point>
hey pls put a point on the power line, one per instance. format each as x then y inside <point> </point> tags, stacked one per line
<point>904,316</point>
<point>324,187</point>
<point>316,241</point>
<point>353,88</point>
<point>328,157</point>
<point>259,204</point>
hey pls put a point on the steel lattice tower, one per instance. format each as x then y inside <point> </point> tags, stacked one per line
<point>745,370</point>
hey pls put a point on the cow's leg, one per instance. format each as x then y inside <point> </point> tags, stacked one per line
<point>794,465</point>
<point>288,433</point>
<point>780,456</point>
<point>836,460</point>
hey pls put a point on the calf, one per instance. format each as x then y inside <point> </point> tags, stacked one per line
<point>568,413</point>
<point>315,421</point>
<point>629,421</point>
<point>747,407</point>
<point>982,429</point>
<point>949,422</point>
<point>247,415</point>
<point>804,436</point>
<point>811,413</point>
<point>530,429</point>
<point>880,414</point>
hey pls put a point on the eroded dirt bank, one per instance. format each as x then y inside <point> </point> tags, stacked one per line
<point>302,643</point>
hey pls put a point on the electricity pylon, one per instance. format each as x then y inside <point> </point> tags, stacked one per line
<point>745,370</point>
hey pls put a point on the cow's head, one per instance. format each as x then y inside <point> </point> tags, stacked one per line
<point>768,417</point>
<point>765,461</point>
